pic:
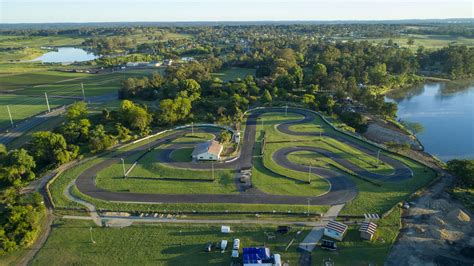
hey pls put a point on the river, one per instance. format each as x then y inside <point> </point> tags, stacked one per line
<point>66,55</point>
<point>446,112</point>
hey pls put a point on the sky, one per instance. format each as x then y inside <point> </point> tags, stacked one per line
<point>41,11</point>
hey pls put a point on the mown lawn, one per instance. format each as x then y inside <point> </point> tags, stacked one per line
<point>234,73</point>
<point>144,178</point>
<point>23,107</point>
<point>182,155</point>
<point>156,244</point>
<point>355,251</point>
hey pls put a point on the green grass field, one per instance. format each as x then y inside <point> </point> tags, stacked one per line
<point>428,41</point>
<point>157,244</point>
<point>234,73</point>
<point>23,107</point>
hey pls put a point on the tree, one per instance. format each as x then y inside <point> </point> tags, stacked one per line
<point>134,116</point>
<point>18,167</point>
<point>122,132</point>
<point>172,111</point>
<point>225,136</point>
<point>77,110</point>
<point>76,131</point>
<point>267,97</point>
<point>51,148</point>
<point>99,139</point>
<point>410,41</point>
<point>463,170</point>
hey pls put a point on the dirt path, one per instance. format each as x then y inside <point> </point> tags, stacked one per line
<point>438,230</point>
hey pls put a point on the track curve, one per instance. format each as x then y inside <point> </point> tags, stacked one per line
<point>342,189</point>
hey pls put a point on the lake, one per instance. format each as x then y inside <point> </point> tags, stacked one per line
<point>66,55</point>
<point>446,112</point>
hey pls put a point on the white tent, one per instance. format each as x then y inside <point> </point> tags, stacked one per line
<point>225,229</point>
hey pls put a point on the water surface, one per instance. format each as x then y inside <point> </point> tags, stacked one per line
<point>66,55</point>
<point>446,112</point>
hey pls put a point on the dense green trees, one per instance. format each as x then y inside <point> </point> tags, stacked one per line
<point>464,171</point>
<point>50,148</point>
<point>16,166</point>
<point>20,221</point>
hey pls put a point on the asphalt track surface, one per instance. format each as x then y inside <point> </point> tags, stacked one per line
<point>342,189</point>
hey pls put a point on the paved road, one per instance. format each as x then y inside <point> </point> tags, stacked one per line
<point>342,188</point>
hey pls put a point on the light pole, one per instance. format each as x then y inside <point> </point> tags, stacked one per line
<point>10,115</point>
<point>309,201</point>
<point>47,102</point>
<point>192,128</point>
<point>212,169</point>
<point>262,122</point>
<point>309,174</point>
<point>83,94</point>
<point>286,109</point>
<point>378,156</point>
<point>123,167</point>
<point>92,239</point>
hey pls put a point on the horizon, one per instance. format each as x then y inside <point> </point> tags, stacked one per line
<point>212,11</point>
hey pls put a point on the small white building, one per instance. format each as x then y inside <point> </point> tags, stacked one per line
<point>367,230</point>
<point>225,229</point>
<point>335,230</point>
<point>208,151</point>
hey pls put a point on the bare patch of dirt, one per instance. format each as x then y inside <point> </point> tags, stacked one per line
<point>382,132</point>
<point>438,230</point>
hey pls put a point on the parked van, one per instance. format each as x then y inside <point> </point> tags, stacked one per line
<point>236,244</point>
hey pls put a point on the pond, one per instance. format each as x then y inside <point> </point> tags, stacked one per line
<point>446,113</point>
<point>66,55</point>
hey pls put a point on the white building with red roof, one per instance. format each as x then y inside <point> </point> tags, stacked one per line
<point>207,151</point>
<point>335,230</point>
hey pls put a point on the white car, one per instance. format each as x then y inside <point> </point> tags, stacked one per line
<point>235,253</point>
<point>236,244</point>
<point>223,244</point>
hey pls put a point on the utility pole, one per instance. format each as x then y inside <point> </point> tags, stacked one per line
<point>123,167</point>
<point>47,102</point>
<point>286,109</point>
<point>378,156</point>
<point>83,94</point>
<point>10,115</point>
<point>192,128</point>
<point>262,122</point>
<point>309,174</point>
<point>212,169</point>
<point>90,231</point>
<point>309,201</point>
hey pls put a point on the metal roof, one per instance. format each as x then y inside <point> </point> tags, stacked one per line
<point>337,226</point>
<point>256,255</point>
<point>368,227</point>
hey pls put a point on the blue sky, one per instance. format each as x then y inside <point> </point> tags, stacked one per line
<point>31,11</point>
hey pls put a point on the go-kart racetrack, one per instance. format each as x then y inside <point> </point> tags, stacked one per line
<point>342,189</point>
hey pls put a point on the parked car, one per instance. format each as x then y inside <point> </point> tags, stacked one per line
<point>328,245</point>
<point>223,244</point>
<point>235,253</point>
<point>236,244</point>
<point>208,247</point>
